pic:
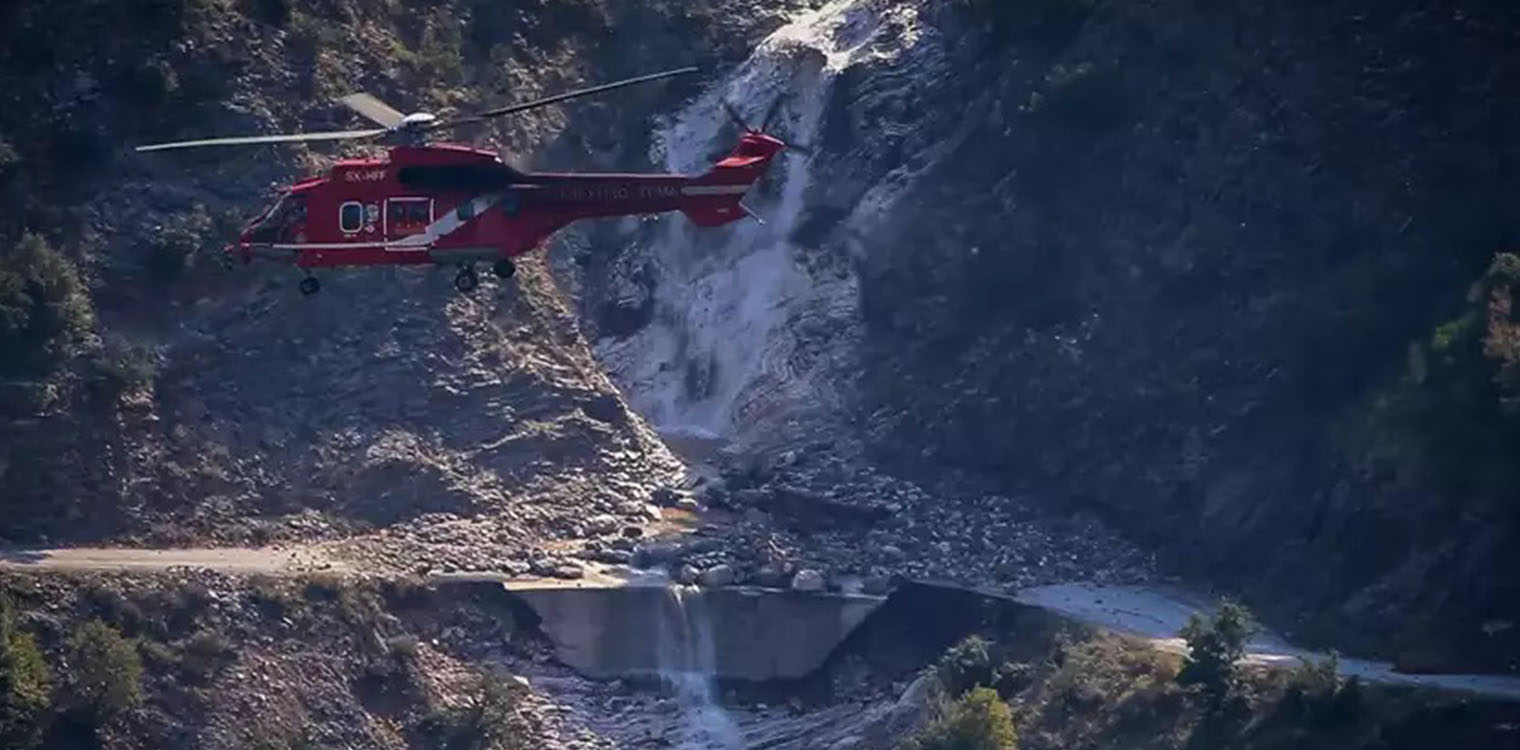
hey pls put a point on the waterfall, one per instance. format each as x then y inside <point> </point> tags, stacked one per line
<point>729,344</point>
<point>687,668</point>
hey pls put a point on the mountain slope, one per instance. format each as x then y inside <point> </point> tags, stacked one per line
<point>1152,260</point>
<point>195,404</point>
<point>1162,262</point>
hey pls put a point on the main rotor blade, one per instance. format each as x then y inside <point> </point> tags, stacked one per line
<point>285,138</point>
<point>733,114</point>
<point>770,114</point>
<point>382,113</point>
<point>513,108</point>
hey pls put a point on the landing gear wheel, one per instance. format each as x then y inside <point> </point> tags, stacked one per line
<point>504,269</point>
<point>310,285</point>
<point>466,280</point>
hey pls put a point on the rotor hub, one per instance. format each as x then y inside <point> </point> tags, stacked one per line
<point>413,129</point>
<point>417,120</point>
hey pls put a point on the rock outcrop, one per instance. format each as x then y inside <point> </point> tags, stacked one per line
<point>1146,260</point>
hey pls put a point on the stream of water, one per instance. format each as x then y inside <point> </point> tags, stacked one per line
<point>725,353</point>
<point>687,666</point>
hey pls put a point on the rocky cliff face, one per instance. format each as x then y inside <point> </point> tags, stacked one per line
<point>204,405</point>
<point>1147,259</point>
<point>1169,259</point>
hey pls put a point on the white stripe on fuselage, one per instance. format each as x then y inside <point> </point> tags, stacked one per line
<point>344,246</point>
<point>446,224</point>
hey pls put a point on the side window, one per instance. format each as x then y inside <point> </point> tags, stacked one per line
<point>407,214</point>
<point>351,217</point>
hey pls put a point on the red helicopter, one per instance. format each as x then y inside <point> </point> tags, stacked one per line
<point>446,203</point>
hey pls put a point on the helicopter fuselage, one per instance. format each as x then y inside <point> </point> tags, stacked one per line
<point>452,204</point>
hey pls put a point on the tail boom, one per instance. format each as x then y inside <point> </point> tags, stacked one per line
<point>710,199</point>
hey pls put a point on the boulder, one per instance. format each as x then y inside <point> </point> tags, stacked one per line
<point>807,581</point>
<point>717,575</point>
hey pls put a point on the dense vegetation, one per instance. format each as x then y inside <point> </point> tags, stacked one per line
<point>1012,687</point>
<point>45,311</point>
<point>97,677</point>
<point>977,720</point>
<point>153,662</point>
<point>25,682</point>
<point>1452,420</point>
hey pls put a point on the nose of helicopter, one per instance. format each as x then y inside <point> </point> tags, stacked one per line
<point>238,250</point>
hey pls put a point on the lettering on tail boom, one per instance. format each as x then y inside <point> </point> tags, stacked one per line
<point>640,192</point>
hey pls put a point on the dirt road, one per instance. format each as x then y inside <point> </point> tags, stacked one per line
<point>270,560</point>
<point>1152,613</point>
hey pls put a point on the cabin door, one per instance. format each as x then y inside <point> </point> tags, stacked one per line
<point>407,216</point>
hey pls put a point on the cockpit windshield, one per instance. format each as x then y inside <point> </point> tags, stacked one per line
<point>282,221</point>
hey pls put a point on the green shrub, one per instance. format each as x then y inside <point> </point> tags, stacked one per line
<point>205,653</point>
<point>102,601</point>
<point>1451,334</point>
<point>358,603</point>
<point>1316,678</point>
<point>1502,342</point>
<point>1100,671</point>
<point>966,665</point>
<point>1317,693</point>
<point>275,600</point>
<point>25,686</point>
<point>1505,269</point>
<point>484,721</point>
<point>978,720</point>
<point>173,245</point>
<point>151,81</point>
<point>120,368</point>
<point>159,657</point>
<point>1214,646</point>
<point>45,311</point>
<point>1011,677</point>
<point>104,673</point>
<point>323,587</point>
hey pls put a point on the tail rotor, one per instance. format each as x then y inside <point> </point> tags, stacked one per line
<point>770,114</point>
<point>744,127</point>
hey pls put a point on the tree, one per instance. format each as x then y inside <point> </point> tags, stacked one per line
<point>104,673</point>
<point>25,686</point>
<point>979,720</point>
<point>1214,646</point>
<point>45,311</point>
<point>966,665</point>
